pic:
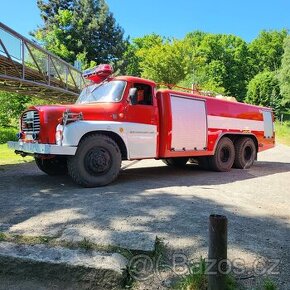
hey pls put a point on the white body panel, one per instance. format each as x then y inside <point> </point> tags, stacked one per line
<point>268,124</point>
<point>140,139</point>
<point>189,124</point>
<point>216,122</point>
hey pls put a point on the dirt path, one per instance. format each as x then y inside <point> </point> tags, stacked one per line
<point>151,199</point>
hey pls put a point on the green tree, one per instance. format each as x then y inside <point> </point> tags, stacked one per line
<point>264,90</point>
<point>266,51</point>
<point>213,61</point>
<point>156,58</point>
<point>48,9</point>
<point>136,52</point>
<point>81,29</point>
<point>131,62</point>
<point>148,41</point>
<point>218,61</point>
<point>163,62</point>
<point>284,75</point>
<point>11,106</point>
<point>209,77</point>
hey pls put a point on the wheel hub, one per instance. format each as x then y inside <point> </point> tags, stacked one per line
<point>98,161</point>
<point>248,153</point>
<point>225,154</point>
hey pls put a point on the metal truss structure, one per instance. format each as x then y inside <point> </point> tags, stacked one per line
<point>28,69</point>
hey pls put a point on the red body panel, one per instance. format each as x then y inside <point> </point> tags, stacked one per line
<point>50,116</point>
<point>214,107</point>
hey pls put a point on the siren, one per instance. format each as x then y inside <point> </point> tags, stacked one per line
<point>99,73</point>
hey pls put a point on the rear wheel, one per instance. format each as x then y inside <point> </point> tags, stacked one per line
<point>52,166</point>
<point>97,161</point>
<point>176,162</point>
<point>224,156</point>
<point>245,153</point>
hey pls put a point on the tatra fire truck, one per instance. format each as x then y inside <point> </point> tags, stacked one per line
<point>108,123</point>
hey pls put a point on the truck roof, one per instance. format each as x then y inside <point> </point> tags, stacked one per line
<point>135,80</point>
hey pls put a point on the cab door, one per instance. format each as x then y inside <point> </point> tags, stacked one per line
<point>141,122</point>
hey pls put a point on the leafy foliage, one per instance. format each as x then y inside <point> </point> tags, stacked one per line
<point>221,61</point>
<point>218,63</point>
<point>264,90</point>
<point>267,50</point>
<point>136,52</point>
<point>81,29</point>
<point>214,61</point>
<point>163,63</point>
<point>284,74</point>
<point>8,134</point>
<point>11,106</point>
<point>48,9</point>
<point>130,65</point>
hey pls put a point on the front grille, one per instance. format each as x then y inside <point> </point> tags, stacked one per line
<point>30,122</point>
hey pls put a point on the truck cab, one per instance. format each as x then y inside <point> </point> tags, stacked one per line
<point>119,111</point>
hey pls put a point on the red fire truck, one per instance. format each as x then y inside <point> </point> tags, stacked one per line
<point>127,118</point>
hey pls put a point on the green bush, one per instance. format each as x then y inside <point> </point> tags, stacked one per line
<point>8,134</point>
<point>264,90</point>
<point>11,106</point>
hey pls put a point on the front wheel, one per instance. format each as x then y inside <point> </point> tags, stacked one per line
<point>52,166</point>
<point>97,161</point>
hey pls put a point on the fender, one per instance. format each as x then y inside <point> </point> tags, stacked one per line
<point>237,134</point>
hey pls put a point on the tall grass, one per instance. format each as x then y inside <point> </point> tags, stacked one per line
<point>282,131</point>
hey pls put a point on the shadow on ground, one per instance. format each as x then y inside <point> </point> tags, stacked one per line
<point>171,203</point>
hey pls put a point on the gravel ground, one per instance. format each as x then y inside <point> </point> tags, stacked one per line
<point>150,199</point>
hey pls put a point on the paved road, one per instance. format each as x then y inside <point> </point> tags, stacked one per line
<point>151,199</point>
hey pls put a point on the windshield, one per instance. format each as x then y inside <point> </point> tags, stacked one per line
<point>108,92</point>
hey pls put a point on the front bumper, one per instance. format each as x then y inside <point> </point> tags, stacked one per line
<point>35,148</point>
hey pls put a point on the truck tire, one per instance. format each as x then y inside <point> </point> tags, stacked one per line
<point>224,156</point>
<point>176,162</point>
<point>52,166</point>
<point>97,161</point>
<point>245,153</point>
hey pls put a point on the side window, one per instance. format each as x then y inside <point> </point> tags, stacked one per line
<point>144,94</point>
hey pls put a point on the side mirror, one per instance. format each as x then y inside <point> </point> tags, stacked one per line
<point>133,96</point>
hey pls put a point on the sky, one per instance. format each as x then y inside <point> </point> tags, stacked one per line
<point>171,18</point>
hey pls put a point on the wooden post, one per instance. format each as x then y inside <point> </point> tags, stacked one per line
<point>217,252</point>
